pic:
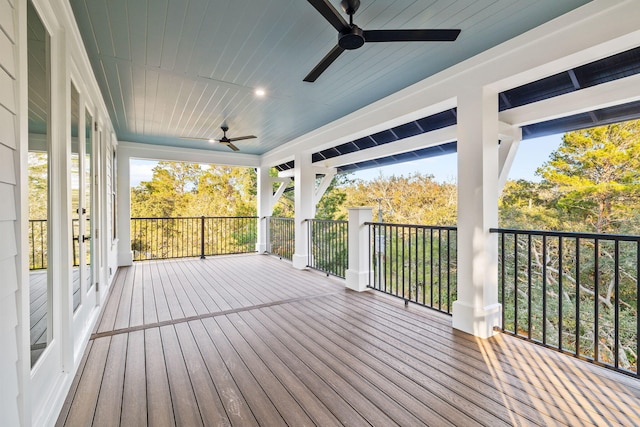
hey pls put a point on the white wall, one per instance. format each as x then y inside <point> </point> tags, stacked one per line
<point>9,212</point>
<point>35,396</point>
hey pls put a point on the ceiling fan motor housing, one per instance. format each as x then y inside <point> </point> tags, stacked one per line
<point>350,6</point>
<point>352,39</point>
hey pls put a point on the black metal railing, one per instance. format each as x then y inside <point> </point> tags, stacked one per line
<point>416,263</point>
<point>75,230</point>
<point>38,259</point>
<point>577,293</point>
<point>38,244</point>
<point>164,238</point>
<point>328,246</point>
<point>281,237</point>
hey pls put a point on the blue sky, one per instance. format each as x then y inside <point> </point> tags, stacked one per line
<point>531,154</point>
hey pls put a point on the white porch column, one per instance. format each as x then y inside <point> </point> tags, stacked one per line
<point>477,310</point>
<point>265,194</point>
<point>125,256</point>
<point>358,273</point>
<point>304,187</point>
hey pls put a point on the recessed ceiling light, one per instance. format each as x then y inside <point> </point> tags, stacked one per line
<point>260,92</point>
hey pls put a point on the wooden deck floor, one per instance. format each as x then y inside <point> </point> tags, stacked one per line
<point>248,340</point>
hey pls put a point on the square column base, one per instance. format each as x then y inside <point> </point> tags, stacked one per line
<point>357,280</point>
<point>261,248</point>
<point>125,258</point>
<point>299,261</point>
<point>479,323</point>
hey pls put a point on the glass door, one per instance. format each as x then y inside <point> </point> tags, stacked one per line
<point>39,174</point>
<point>75,195</point>
<point>86,207</point>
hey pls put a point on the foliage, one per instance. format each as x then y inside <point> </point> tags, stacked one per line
<point>417,263</point>
<point>329,246</point>
<point>595,175</point>
<point>188,189</point>
<point>414,199</point>
<point>590,184</point>
<point>38,185</point>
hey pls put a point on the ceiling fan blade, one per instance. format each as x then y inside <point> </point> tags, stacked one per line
<point>411,35</point>
<point>330,14</point>
<point>324,64</point>
<point>240,138</point>
<point>197,139</point>
<point>230,145</point>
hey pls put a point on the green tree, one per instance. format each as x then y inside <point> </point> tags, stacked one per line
<point>331,204</point>
<point>38,185</point>
<point>589,184</point>
<point>413,199</point>
<point>224,191</point>
<point>528,205</point>
<point>595,174</point>
<point>189,189</point>
<point>166,194</point>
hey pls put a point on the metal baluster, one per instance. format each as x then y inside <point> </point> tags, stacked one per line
<point>544,289</point>
<point>515,284</point>
<point>439,268</point>
<point>596,279</point>
<point>502,276</point>
<point>560,292</point>
<point>616,306</point>
<point>529,286</point>
<point>577,296</point>
<point>431,266</point>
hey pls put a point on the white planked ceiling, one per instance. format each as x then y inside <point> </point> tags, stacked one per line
<point>172,68</point>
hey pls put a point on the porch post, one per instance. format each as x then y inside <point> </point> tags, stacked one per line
<point>264,207</point>
<point>358,273</point>
<point>304,183</point>
<point>477,310</point>
<point>125,256</point>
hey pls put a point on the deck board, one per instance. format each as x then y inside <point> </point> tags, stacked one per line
<point>108,406</point>
<point>209,402</point>
<point>323,391</point>
<point>134,412</point>
<point>248,340</point>
<point>520,372</point>
<point>261,406</point>
<point>285,403</point>
<point>236,407</point>
<point>82,410</point>
<point>185,405</point>
<point>160,411</point>
<point>305,397</point>
<point>414,364</point>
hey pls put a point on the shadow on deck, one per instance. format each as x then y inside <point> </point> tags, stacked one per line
<point>248,340</point>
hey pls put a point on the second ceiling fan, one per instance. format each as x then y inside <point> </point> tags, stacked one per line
<point>350,36</point>
<point>224,140</point>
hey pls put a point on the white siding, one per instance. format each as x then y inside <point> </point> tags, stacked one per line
<point>9,391</point>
